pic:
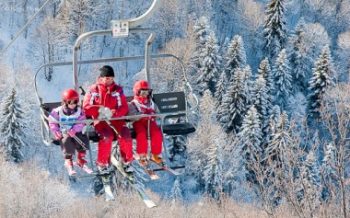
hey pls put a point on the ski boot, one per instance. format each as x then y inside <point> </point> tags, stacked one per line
<point>69,166</point>
<point>157,159</point>
<point>81,162</point>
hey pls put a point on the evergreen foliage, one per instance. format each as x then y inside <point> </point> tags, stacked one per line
<point>275,27</point>
<point>213,170</point>
<point>235,101</point>
<point>12,127</point>
<point>220,88</point>
<point>235,56</point>
<point>201,31</point>
<point>249,139</point>
<point>320,81</point>
<point>299,58</point>
<point>262,100</point>
<point>209,65</point>
<point>310,183</point>
<point>265,71</point>
<point>282,80</point>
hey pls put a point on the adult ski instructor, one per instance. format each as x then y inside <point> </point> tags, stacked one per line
<point>105,100</point>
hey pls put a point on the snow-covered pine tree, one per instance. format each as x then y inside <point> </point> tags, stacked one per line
<point>310,184</point>
<point>262,101</point>
<point>265,71</point>
<point>201,30</point>
<point>282,80</point>
<point>209,65</point>
<point>249,139</point>
<point>299,58</point>
<point>12,126</point>
<point>280,142</point>
<point>235,101</point>
<point>220,89</point>
<point>213,170</point>
<point>328,172</point>
<point>320,81</point>
<point>235,56</point>
<point>176,191</point>
<point>275,32</point>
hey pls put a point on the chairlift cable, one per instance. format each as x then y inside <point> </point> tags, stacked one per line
<point>24,27</point>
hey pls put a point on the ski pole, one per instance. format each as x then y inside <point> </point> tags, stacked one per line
<point>80,142</point>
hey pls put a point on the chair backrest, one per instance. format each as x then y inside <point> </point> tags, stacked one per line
<point>171,102</point>
<point>49,106</point>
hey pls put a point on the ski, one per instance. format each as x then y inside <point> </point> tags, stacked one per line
<point>109,196</point>
<point>166,168</point>
<point>149,171</point>
<point>148,202</point>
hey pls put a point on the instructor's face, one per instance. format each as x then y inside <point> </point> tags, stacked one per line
<point>106,80</point>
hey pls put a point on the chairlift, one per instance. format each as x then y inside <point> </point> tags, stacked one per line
<point>172,105</point>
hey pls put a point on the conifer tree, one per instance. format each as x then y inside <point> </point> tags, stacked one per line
<point>282,80</point>
<point>235,56</point>
<point>213,170</point>
<point>201,31</point>
<point>265,71</point>
<point>209,65</point>
<point>235,101</point>
<point>280,141</point>
<point>320,81</point>
<point>299,58</point>
<point>12,127</point>
<point>310,183</point>
<point>328,172</point>
<point>220,88</point>
<point>275,32</point>
<point>249,140</point>
<point>262,100</point>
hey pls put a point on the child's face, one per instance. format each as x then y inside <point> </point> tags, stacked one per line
<point>144,92</point>
<point>72,104</point>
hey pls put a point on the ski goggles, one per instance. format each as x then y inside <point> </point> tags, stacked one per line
<point>145,92</point>
<point>71,102</point>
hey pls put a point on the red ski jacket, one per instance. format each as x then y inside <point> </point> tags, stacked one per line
<point>110,96</point>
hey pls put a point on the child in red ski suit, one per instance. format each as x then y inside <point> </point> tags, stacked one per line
<point>107,96</point>
<point>146,128</point>
<point>66,133</point>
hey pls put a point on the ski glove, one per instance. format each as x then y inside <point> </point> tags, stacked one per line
<point>58,135</point>
<point>104,113</point>
<point>71,133</point>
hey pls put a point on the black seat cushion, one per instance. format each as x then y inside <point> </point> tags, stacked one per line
<point>178,129</point>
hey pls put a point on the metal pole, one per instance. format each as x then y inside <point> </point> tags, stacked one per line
<point>147,58</point>
<point>147,15</point>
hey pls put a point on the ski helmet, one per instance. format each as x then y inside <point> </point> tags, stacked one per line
<point>139,85</point>
<point>70,94</point>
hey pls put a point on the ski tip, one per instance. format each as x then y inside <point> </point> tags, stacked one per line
<point>109,198</point>
<point>150,204</point>
<point>154,177</point>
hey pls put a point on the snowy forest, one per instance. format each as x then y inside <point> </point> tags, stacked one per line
<point>272,125</point>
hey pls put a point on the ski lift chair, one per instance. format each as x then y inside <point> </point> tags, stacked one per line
<point>175,122</point>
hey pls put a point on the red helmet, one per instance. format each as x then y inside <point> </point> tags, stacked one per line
<point>141,84</point>
<point>70,94</point>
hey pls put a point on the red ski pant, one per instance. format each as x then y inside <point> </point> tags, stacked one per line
<point>156,137</point>
<point>107,135</point>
